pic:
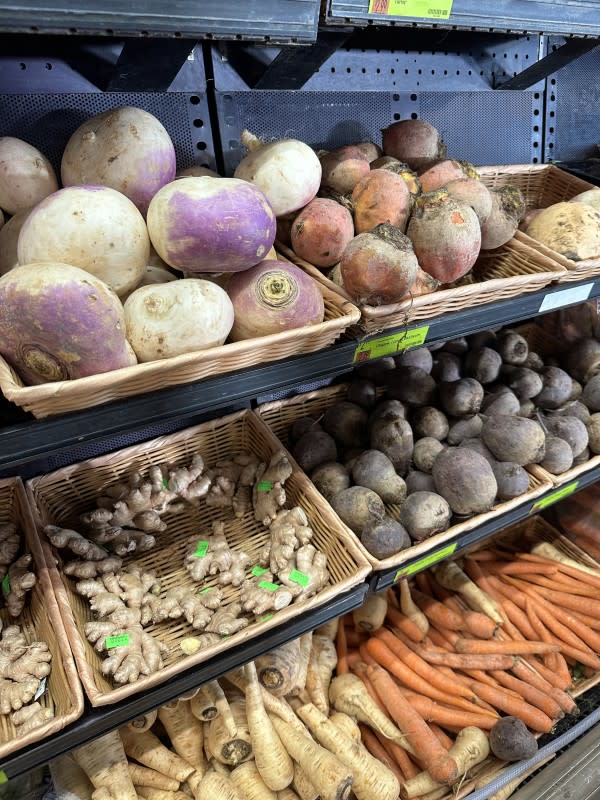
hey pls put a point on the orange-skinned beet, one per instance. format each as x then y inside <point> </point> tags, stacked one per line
<point>415,142</point>
<point>321,232</point>
<point>381,196</point>
<point>445,235</point>
<point>440,173</point>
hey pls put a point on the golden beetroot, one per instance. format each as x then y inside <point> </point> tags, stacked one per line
<point>321,232</point>
<point>508,206</point>
<point>381,196</point>
<point>414,141</point>
<point>379,267</point>
<point>442,172</point>
<point>472,192</point>
<point>343,168</point>
<point>400,168</point>
<point>445,235</point>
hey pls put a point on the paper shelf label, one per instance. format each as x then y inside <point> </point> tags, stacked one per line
<point>204,591</point>
<point>121,640</point>
<point>201,548</point>
<point>301,578</point>
<point>425,9</point>
<point>389,345</point>
<point>555,496</point>
<point>270,587</point>
<point>41,690</point>
<point>426,561</point>
<point>6,585</point>
<point>264,486</point>
<point>565,297</point>
<point>257,571</point>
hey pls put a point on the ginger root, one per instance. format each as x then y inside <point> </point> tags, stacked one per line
<point>196,608</point>
<point>65,538</point>
<point>20,580</point>
<point>125,598</point>
<point>192,644</point>
<point>306,573</point>
<point>140,654</point>
<point>226,620</point>
<point>30,717</point>
<point>288,531</point>
<point>22,667</point>
<point>231,483</point>
<point>260,594</point>
<point>9,546</point>
<point>92,569</point>
<point>213,556</point>
<point>268,494</point>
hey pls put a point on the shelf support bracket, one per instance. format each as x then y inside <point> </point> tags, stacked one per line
<point>557,59</point>
<point>149,65</point>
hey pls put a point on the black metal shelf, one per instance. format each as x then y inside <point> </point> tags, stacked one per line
<point>29,440</point>
<point>558,17</point>
<point>452,547</point>
<point>98,721</point>
<point>284,22</point>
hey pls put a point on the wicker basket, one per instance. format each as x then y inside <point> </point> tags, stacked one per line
<point>510,271</point>
<point>543,185</point>
<point>63,396</point>
<point>279,416</point>
<point>40,621</point>
<point>62,495</point>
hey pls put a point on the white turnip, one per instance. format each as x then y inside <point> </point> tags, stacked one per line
<point>26,175</point>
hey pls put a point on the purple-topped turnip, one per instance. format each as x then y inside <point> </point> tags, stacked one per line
<point>58,322</point>
<point>26,175</point>
<point>211,224</point>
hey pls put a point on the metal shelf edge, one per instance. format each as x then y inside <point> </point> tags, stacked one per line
<point>100,720</point>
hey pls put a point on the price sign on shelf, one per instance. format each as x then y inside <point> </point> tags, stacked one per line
<point>427,561</point>
<point>424,9</point>
<point>566,297</point>
<point>389,345</point>
<point>555,496</point>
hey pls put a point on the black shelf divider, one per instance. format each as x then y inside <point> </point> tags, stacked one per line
<point>32,439</point>
<point>100,720</point>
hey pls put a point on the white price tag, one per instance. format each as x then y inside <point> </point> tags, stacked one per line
<point>566,297</point>
<point>41,690</point>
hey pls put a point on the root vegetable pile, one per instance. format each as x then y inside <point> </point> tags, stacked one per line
<point>431,437</point>
<point>223,588</point>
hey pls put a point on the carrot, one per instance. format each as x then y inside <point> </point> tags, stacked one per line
<point>564,584</point>
<point>438,613</point>
<point>443,715</point>
<point>354,637</point>
<point>353,657</point>
<point>421,737</point>
<point>366,655</point>
<point>482,555</point>
<point>441,735</point>
<point>560,681</point>
<point>392,599</point>
<point>423,581</point>
<point>468,660</point>
<point>388,659</point>
<point>480,625</point>
<point>518,619</point>
<point>439,640</point>
<point>341,647</point>
<point>556,627</point>
<point>399,756</point>
<point>406,625</point>
<point>555,662</point>
<point>420,666</point>
<point>450,636</point>
<point>530,675</point>
<point>514,648</point>
<point>515,706</point>
<point>378,751</point>
<point>580,574</point>
<point>520,567</point>
<point>477,575</point>
<point>528,692</point>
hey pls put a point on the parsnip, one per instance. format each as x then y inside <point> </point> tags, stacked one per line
<point>229,749</point>
<point>305,646</point>
<point>451,576</point>
<point>144,776</point>
<point>287,794</point>
<point>372,780</point>
<point>346,724</point>
<point>410,609</point>
<point>327,661</point>
<point>69,779</point>
<point>209,702</point>
<point>329,629</point>
<point>302,784</point>
<point>150,793</point>
<point>314,684</point>
<point>347,693</point>
<point>105,764</point>
<point>217,787</point>
<point>148,750</point>
<point>371,615</point>
<point>331,779</point>
<point>272,760</point>
<point>185,732</point>
<point>273,705</point>
<point>278,669</point>
<point>249,781</point>
<point>552,553</point>
<point>143,723</point>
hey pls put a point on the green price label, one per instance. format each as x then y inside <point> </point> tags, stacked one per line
<point>555,496</point>
<point>121,640</point>
<point>165,483</point>
<point>426,561</point>
<point>301,578</point>
<point>389,345</point>
<point>204,591</point>
<point>3,777</point>
<point>424,9</point>
<point>264,486</point>
<point>201,548</point>
<point>270,587</point>
<point>6,585</point>
<point>267,618</point>
<point>258,571</point>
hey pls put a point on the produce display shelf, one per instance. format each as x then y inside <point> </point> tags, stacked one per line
<point>283,22</point>
<point>384,578</point>
<point>26,440</point>
<point>98,721</point>
<point>564,17</point>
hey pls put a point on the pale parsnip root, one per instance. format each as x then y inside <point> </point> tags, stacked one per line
<point>314,684</point>
<point>272,760</point>
<point>410,609</point>
<point>214,786</point>
<point>329,629</point>
<point>278,670</point>
<point>302,784</point>
<point>143,723</point>
<point>105,764</point>
<point>151,793</point>
<point>552,553</point>
<point>371,615</point>
<point>227,749</point>
<point>249,781</point>
<point>372,780</point>
<point>69,779</point>
<point>148,750</point>
<point>331,778</point>
<point>305,643</point>
<point>451,576</point>
<point>346,724</point>
<point>287,794</point>
<point>185,733</point>
<point>144,776</point>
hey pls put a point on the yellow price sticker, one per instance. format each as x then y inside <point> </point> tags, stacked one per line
<point>426,561</point>
<point>388,345</point>
<point>423,9</point>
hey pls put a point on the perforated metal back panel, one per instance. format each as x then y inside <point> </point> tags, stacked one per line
<point>48,120</point>
<point>572,118</point>
<point>322,119</point>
